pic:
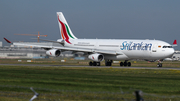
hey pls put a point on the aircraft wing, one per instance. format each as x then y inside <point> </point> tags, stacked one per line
<point>90,50</point>
<point>58,46</point>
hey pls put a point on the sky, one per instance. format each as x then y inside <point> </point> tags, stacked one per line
<point>102,19</point>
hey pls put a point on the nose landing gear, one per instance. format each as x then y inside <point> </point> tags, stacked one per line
<point>159,63</point>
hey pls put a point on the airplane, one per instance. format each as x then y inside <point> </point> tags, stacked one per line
<point>98,50</point>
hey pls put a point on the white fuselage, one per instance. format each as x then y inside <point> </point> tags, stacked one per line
<point>131,49</point>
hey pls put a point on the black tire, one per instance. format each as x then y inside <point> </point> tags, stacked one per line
<point>94,63</point>
<point>125,64</point>
<point>106,63</point>
<point>110,63</point>
<point>90,63</point>
<point>129,64</point>
<point>159,65</point>
<point>121,64</point>
<point>98,64</point>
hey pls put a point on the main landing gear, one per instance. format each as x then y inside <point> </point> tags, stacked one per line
<point>125,63</point>
<point>108,62</point>
<point>94,63</point>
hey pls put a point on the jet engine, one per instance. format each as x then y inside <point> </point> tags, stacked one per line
<point>53,52</point>
<point>96,57</point>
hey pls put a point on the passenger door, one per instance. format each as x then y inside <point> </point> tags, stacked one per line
<point>154,49</point>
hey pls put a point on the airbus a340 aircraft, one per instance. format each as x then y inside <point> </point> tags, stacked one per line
<point>106,49</point>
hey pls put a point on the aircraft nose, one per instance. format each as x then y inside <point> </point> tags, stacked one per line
<point>170,52</point>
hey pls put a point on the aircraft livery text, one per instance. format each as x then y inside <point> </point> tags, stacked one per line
<point>135,46</point>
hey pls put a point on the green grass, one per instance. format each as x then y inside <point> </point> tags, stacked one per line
<point>70,61</point>
<point>160,82</point>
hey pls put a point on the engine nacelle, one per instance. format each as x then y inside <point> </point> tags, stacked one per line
<point>96,57</point>
<point>53,52</point>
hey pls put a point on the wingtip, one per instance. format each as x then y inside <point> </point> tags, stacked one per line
<point>7,40</point>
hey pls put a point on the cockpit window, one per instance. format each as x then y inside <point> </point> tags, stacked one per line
<point>167,46</point>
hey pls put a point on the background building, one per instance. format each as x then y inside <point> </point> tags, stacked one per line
<point>22,52</point>
<point>13,52</point>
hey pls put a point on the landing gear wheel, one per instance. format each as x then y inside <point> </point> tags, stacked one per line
<point>129,64</point>
<point>94,63</point>
<point>98,63</point>
<point>125,64</point>
<point>90,63</point>
<point>108,63</point>
<point>121,64</point>
<point>159,65</point>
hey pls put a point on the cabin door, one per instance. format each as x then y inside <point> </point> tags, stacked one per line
<point>154,49</point>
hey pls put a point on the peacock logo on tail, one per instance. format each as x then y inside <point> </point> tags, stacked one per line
<point>65,33</point>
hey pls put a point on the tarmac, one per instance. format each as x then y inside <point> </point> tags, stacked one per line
<point>45,65</point>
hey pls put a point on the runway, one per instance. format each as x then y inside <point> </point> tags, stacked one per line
<point>46,65</point>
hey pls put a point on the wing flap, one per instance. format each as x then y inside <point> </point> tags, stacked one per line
<point>33,45</point>
<point>90,50</point>
<point>70,48</point>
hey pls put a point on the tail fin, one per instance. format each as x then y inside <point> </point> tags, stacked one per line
<point>174,43</point>
<point>65,30</point>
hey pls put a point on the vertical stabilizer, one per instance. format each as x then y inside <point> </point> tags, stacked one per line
<point>65,30</point>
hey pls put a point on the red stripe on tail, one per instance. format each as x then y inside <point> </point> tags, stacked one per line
<point>64,31</point>
<point>175,42</point>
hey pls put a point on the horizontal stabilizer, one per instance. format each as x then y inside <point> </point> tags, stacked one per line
<point>7,40</point>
